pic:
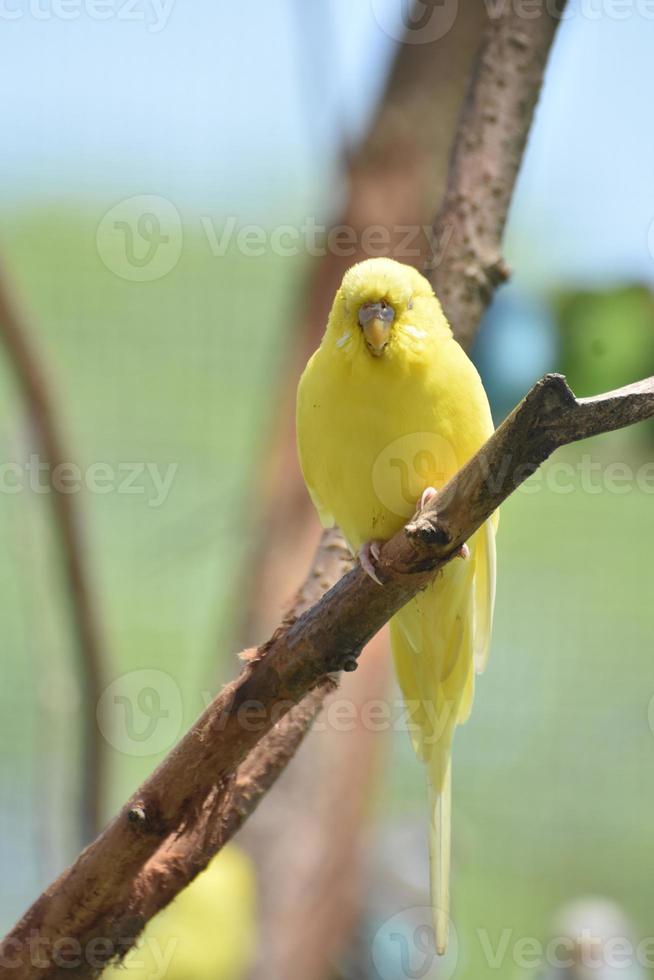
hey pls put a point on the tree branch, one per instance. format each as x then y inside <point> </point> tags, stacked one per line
<point>177,862</point>
<point>91,899</point>
<point>109,891</point>
<point>490,143</point>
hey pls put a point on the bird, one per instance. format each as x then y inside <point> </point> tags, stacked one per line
<point>389,407</point>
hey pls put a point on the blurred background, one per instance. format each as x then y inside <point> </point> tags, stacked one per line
<point>170,171</point>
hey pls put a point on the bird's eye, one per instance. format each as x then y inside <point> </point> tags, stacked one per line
<point>409,305</point>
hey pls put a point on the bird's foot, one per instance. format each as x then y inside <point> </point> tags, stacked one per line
<point>428,495</point>
<point>368,558</point>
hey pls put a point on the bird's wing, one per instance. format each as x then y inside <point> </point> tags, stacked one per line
<point>311,438</point>
<point>326,519</point>
<point>432,640</point>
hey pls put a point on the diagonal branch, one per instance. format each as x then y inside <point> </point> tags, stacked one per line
<point>91,899</point>
<point>177,862</point>
<point>549,417</point>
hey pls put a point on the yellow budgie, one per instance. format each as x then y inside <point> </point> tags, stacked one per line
<point>389,408</point>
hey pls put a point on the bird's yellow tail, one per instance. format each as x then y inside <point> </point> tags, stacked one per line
<point>440,808</point>
<point>434,639</point>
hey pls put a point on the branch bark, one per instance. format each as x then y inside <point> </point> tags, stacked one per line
<point>179,860</point>
<point>312,888</point>
<point>490,143</point>
<point>91,899</point>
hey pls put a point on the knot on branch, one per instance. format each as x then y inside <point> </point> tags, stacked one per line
<point>487,276</point>
<point>147,819</point>
<point>547,404</point>
<point>426,529</point>
<point>554,391</point>
<point>347,661</point>
<point>497,272</point>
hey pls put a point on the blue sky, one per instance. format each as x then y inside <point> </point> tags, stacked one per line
<point>217,105</point>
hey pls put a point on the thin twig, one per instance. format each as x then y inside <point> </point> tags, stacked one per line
<point>26,364</point>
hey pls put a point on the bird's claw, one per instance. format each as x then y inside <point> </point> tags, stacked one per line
<point>368,558</point>
<point>428,495</point>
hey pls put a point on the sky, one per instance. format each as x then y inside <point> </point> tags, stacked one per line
<point>233,106</point>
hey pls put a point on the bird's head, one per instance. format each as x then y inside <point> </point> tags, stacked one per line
<point>378,305</point>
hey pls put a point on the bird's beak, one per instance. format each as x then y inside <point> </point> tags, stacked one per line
<point>376,320</point>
